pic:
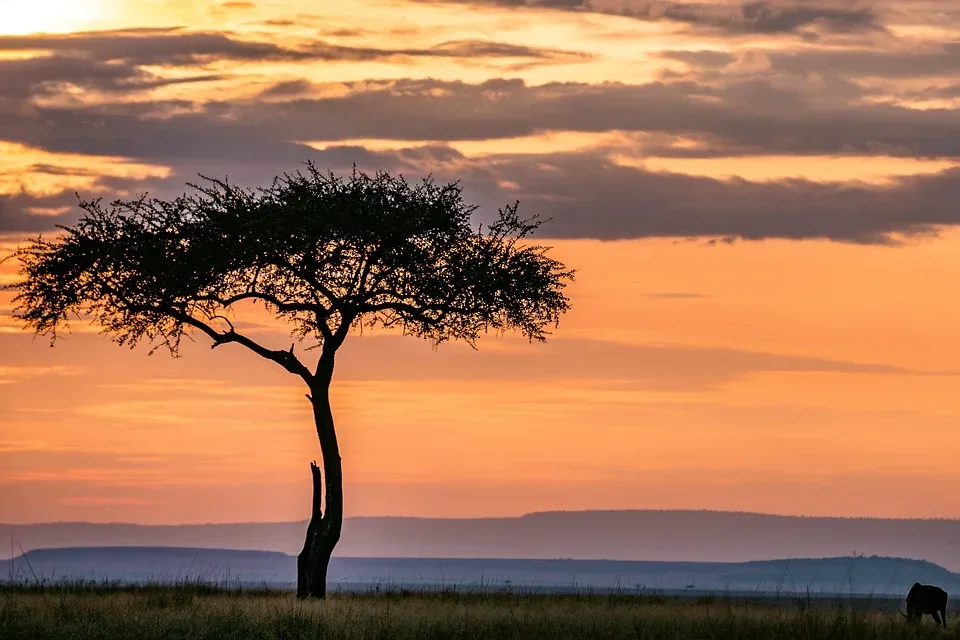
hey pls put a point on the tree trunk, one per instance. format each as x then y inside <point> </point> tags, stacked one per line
<point>326,517</point>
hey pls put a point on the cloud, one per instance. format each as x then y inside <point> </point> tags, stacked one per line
<point>742,117</point>
<point>588,195</point>
<point>29,78</point>
<point>29,214</point>
<point>248,160</point>
<point>932,60</point>
<point>763,17</point>
<point>150,46</point>
<point>489,49</point>
<point>178,47</point>
<point>756,17</point>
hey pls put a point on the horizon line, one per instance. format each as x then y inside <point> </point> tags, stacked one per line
<point>475,518</point>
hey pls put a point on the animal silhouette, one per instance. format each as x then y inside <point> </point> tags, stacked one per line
<point>927,599</point>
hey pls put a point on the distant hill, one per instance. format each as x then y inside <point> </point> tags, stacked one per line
<point>615,535</point>
<point>826,576</point>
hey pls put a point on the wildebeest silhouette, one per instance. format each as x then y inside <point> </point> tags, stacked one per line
<point>927,598</point>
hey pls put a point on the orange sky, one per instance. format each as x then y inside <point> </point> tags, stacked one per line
<point>807,370</point>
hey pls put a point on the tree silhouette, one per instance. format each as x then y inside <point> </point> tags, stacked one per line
<point>321,252</point>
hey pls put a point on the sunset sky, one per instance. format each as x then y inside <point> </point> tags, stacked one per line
<point>759,199</point>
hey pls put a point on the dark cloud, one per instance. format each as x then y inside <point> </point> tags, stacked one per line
<point>140,131</point>
<point>745,116</point>
<point>764,17</point>
<point>113,62</point>
<point>21,213</point>
<point>342,33</point>
<point>278,23</point>
<point>288,89</point>
<point>762,113</point>
<point>177,47</point>
<point>933,61</point>
<point>488,49</point>
<point>28,213</point>
<point>49,75</point>
<point>704,59</point>
<point>151,47</point>
<point>950,92</point>
<point>585,195</point>
<point>477,49</point>
<point>757,17</point>
<point>940,60</point>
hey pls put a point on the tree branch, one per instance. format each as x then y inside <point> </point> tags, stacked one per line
<point>285,307</point>
<point>339,335</point>
<point>324,331</point>
<point>415,312</point>
<point>335,301</point>
<point>285,359</point>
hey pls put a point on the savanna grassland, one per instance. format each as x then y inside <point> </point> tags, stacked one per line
<point>199,612</point>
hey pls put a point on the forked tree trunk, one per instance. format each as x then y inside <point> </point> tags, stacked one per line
<point>326,518</point>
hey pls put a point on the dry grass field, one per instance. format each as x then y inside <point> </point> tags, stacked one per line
<point>198,612</point>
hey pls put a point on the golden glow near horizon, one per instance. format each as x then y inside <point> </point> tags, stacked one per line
<point>805,376</point>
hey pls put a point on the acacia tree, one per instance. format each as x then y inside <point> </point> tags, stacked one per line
<point>324,253</point>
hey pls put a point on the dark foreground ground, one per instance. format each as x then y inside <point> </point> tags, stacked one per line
<point>200,612</point>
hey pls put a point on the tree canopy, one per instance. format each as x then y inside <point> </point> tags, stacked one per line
<point>324,252</point>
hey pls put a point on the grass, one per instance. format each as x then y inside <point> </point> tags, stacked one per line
<point>82,611</point>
